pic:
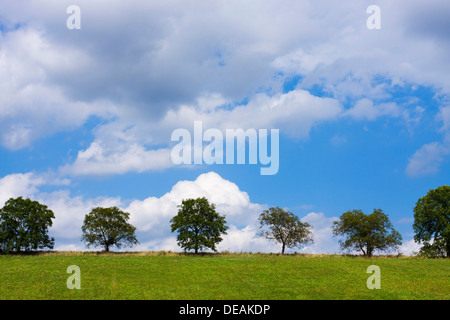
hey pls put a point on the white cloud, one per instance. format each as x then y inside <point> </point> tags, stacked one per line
<point>365,109</point>
<point>295,112</point>
<point>20,184</point>
<point>324,242</point>
<point>100,159</point>
<point>427,159</point>
<point>152,215</point>
<point>246,240</point>
<point>167,244</point>
<point>70,212</point>
<point>409,247</point>
<point>444,115</point>
<point>135,65</point>
<point>143,75</point>
<point>69,247</point>
<point>30,107</point>
<point>152,82</point>
<point>121,147</point>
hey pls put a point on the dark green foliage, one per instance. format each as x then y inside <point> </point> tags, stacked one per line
<point>24,226</point>
<point>285,228</point>
<point>107,227</point>
<point>198,224</point>
<point>432,222</point>
<point>366,233</point>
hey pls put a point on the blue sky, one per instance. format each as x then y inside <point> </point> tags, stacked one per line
<point>86,115</point>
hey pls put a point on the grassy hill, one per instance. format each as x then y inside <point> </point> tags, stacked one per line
<point>165,275</point>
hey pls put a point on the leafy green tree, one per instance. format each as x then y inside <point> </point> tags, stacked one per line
<point>367,233</point>
<point>285,228</point>
<point>24,226</point>
<point>198,224</point>
<point>432,222</point>
<point>108,227</point>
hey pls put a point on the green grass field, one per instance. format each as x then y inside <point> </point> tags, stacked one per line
<point>167,276</point>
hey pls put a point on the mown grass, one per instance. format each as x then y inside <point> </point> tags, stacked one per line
<point>167,276</point>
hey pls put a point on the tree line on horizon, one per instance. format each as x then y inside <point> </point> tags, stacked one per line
<point>24,225</point>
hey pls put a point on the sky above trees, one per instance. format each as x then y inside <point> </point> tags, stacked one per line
<point>86,115</point>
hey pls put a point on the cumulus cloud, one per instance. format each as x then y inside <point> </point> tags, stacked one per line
<point>69,211</point>
<point>409,247</point>
<point>427,159</point>
<point>365,109</point>
<point>120,147</point>
<point>20,184</point>
<point>143,69</point>
<point>150,216</point>
<point>146,68</point>
<point>246,240</point>
<point>322,233</point>
<point>30,107</point>
<point>99,159</point>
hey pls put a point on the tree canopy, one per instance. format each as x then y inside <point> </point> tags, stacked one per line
<point>285,228</point>
<point>108,227</point>
<point>198,224</point>
<point>366,233</point>
<point>24,226</point>
<point>432,222</point>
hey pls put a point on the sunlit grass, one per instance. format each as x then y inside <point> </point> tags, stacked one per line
<point>170,275</point>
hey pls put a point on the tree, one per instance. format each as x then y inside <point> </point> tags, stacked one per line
<point>24,225</point>
<point>285,228</point>
<point>432,222</point>
<point>367,233</point>
<point>198,224</point>
<point>107,227</point>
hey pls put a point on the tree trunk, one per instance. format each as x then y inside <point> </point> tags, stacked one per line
<point>282,249</point>
<point>369,251</point>
<point>107,248</point>
<point>196,240</point>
